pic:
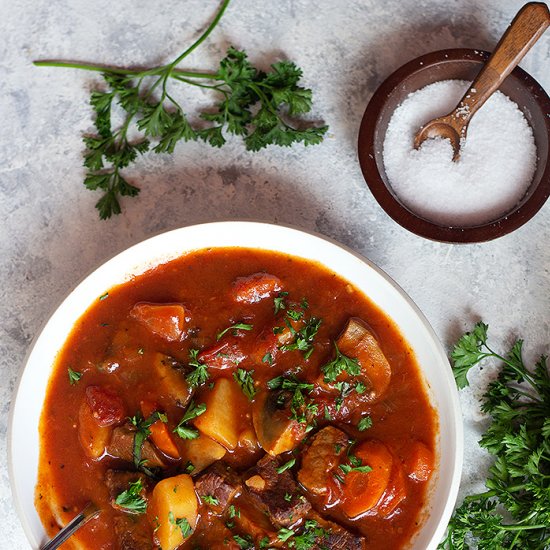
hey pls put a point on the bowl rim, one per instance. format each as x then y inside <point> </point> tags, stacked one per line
<point>405,217</point>
<point>232,229</point>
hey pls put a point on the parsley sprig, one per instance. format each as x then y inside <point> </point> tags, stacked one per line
<point>131,500</point>
<point>245,379</point>
<point>182,429</point>
<point>199,375</point>
<point>514,512</point>
<point>142,433</point>
<point>257,105</point>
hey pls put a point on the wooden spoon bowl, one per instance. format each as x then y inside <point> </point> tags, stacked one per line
<point>462,64</point>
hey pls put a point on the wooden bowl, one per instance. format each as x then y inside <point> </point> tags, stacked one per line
<point>463,64</point>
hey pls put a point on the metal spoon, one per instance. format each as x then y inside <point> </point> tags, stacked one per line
<point>90,511</point>
<point>526,28</point>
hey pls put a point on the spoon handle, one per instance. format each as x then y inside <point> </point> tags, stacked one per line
<point>526,28</point>
<point>89,512</point>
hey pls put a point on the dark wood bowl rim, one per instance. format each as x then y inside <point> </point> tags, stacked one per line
<point>405,217</point>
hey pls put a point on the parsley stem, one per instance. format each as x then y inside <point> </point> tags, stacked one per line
<point>124,71</point>
<point>203,36</point>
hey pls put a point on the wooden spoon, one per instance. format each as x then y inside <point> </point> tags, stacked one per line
<point>526,28</point>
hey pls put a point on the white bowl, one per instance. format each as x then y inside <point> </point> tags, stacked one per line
<point>23,437</point>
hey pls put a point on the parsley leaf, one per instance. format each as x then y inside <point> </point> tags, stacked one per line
<point>364,424</point>
<point>192,411</point>
<point>256,105</point>
<point>182,523</point>
<point>234,328</point>
<point>131,499</point>
<point>286,466</point>
<point>341,363</point>
<point>74,376</point>
<point>200,374</point>
<point>246,382</point>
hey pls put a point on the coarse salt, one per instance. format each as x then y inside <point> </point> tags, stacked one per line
<point>496,165</point>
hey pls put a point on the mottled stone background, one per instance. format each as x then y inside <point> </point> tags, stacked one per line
<point>51,236</point>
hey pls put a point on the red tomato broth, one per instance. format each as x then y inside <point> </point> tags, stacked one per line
<point>201,281</point>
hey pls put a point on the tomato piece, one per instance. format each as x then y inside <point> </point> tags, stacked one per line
<point>166,320</point>
<point>106,405</point>
<point>256,287</point>
<point>419,463</point>
<point>363,490</point>
<point>160,435</point>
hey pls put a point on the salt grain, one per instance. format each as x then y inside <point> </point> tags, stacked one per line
<point>496,165</point>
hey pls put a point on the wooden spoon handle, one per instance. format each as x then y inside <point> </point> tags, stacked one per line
<point>526,28</point>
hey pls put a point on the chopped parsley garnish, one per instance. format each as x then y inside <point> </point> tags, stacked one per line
<point>303,338</point>
<point>103,296</point>
<point>364,424</point>
<point>142,433</point>
<point>301,409</point>
<point>246,382</point>
<point>209,499</point>
<point>279,302</point>
<point>267,358</point>
<point>189,467</point>
<point>234,328</point>
<point>355,465</point>
<point>74,376</point>
<point>234,512</point>
<point>286,466</point>
<point>294,314</point>
<point>131,499</point>
<point>185,432</point>
<point>200,374</point>
<point>340,364</point>
<point>245,542</point>
<point>182,523</point>
<point>311,537</point>
<point>284,534</point>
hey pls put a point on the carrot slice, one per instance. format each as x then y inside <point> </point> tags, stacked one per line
<point>159,432</point>
<point>363,490</point>
<point>166,320</point>
<point>419,464</point>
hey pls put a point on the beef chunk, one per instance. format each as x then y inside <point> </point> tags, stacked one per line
<point>132,534</point>
<point>277,494</point>
<point>119,480</point>
<point>122,445</point>
<point>321,457</point>
<point>219,482</point>
<point>332,536</point>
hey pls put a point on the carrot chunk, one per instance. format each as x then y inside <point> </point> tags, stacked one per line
<point>395,493</point>
<point>160,434</point>
<point>166,320</point>
<point>363,490</point>
<point>255,287</point>
<point>419,464</point>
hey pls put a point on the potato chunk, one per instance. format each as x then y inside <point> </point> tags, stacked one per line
<point>173,509</point>
<point>170,378</point>
<point>93,437</point>
<point>221,418</point>
<point>202,452</point>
